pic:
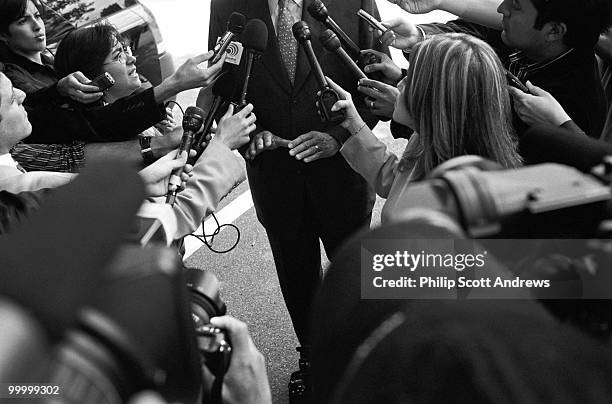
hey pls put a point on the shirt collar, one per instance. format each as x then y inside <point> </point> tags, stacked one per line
<point>7,160</point>
<point>520,60</point>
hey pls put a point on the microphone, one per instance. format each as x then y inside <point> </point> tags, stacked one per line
<point>328,96</point>
<point>223,92</point>
<point>192,121</point>
<point>255,40</point>
<point>235,26</point>
<point>319,12</point>
<point>331,42</point>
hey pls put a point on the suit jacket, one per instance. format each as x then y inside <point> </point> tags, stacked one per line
<point>283,187</point>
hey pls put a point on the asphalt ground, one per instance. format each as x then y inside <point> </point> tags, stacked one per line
<point>249,285</point>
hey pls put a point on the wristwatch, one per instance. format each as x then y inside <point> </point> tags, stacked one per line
<point>145,150</point>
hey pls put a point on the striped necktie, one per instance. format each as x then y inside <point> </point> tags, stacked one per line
<point>287,44</point>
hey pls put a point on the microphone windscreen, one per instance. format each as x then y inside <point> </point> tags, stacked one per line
<point>236,23</point>
<point>318,11</point>
<point>301,31</point>
<point>193,119</point>
<point>548,144</point>
<point>255,35</point>
<point>329,40</point>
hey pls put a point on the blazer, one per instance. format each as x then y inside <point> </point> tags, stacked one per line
<point>283,187</point>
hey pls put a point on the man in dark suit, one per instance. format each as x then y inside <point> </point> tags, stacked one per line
<point>308,192</point>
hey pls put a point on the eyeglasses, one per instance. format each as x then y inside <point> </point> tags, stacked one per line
<point>124,52</point>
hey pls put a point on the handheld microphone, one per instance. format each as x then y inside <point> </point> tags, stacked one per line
<point>222,92</point>
<point>328,96</point>
<point>331,42</point>
<point>192,121</point>
<point>235,26</point>
<point>319,12</point>
<point>255,40</point>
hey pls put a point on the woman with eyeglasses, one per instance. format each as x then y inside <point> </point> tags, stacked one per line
<point>456,99</point>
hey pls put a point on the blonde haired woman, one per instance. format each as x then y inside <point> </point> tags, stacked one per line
<point>456,99</point>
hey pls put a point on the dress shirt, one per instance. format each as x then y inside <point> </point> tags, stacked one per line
<point>294,6</point>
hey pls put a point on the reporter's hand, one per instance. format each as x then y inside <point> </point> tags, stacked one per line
<point>346,103</point>
<point>234,129</point>
<point>391,71</point>
<point>417,6</point>
<point>380,98</point>
<point>538,107</point>
<point>402,33</point>
<point>313,145</point>
<point>75,86</point>
<point>246,380</point>
<point>156,176</point>
<point>263,141</point>
<point>191,75</point>
<point>168,124</point>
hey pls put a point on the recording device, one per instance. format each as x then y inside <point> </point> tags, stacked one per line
<point>213,344</point>
<point>330,41</point>
<point>255,40</point>
<point>103,81</point>
<point>515,82</point>
<point>235,25</point>
<point>192,122</point>
<point>545,201</point>
<point>328,97</point>
<point>319,12</point>
<point>372,22</point>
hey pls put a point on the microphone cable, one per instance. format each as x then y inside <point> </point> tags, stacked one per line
<point>204,237</point>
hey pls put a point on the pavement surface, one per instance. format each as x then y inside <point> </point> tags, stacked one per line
<point>249,285</point>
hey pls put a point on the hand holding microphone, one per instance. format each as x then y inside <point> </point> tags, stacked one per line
<point>353,122</point>
<point>192,121</point>
<point>235,25</point>
<point>327,97</point>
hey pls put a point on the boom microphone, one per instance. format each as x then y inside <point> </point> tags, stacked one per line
<point>319,12</point>
<point>255,40</point>
<point>331,42</point>
<point>328,96</point>
<point>192,121</point>
<point>235,25</point>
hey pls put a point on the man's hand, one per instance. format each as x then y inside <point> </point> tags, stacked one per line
<point>234,129</point>
<point>246,380</point>
<point>75,86</point>
<point>538,107</point>
<point>380,98</point>
<point>391,71</point>
<point>402,33</point>
<point>262,141</point>
<point>157,175</point>
<point>312,146</point>
<point>417,6</point>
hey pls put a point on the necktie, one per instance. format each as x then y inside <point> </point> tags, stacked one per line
<point>286,42</point>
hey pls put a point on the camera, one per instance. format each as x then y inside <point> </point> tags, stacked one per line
<point>567,210</point>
